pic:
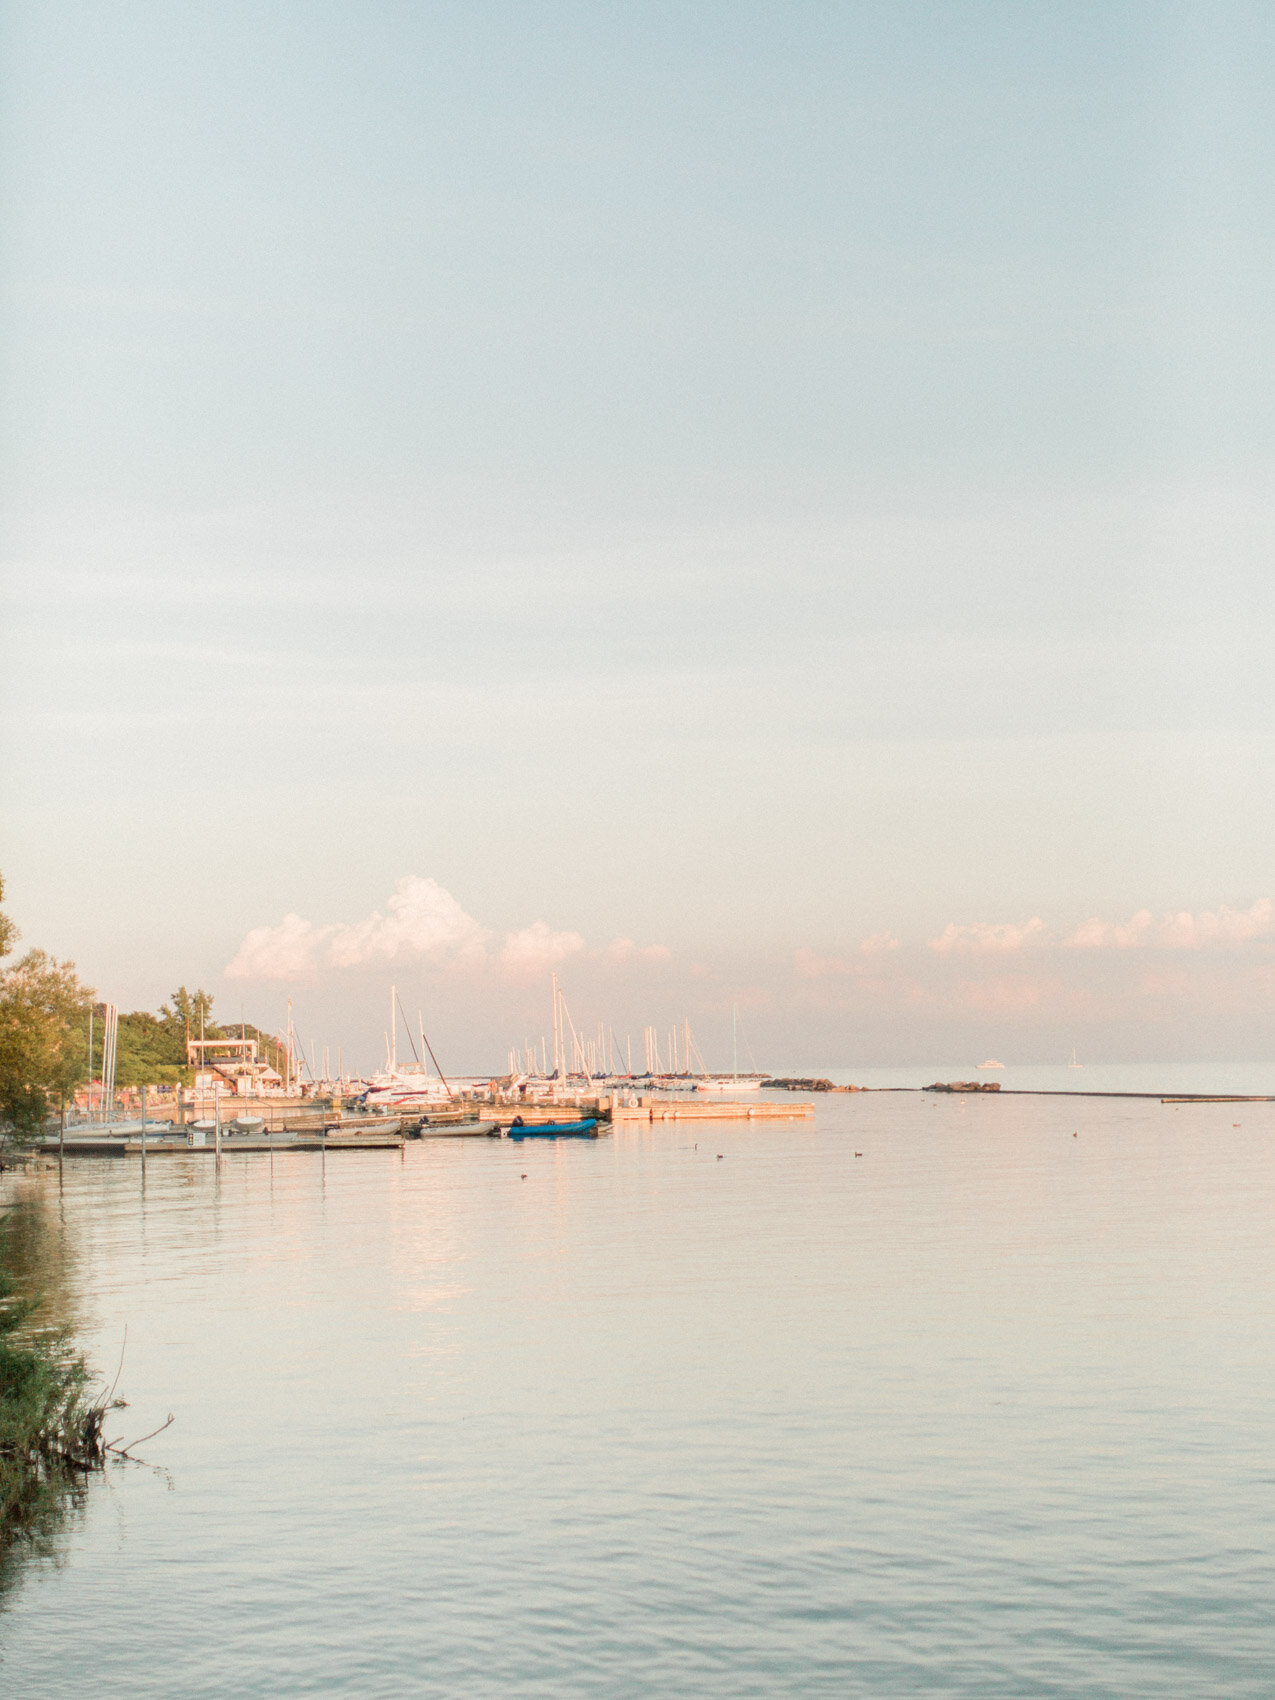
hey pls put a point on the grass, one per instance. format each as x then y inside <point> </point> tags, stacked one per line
<point>50,1420</point>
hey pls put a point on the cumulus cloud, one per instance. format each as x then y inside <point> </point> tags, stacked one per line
<point>423,920</point>
<point>289,951</point>
<point>878,942</point>
<point>421,923</point>
<point>993,938</point>
<point>534,949</point>
<point>1180,930</point>
<point>626,950</point>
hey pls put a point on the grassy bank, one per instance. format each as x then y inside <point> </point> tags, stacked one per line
<point>50,1420</point>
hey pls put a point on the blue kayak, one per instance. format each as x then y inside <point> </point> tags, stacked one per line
<point>555,1130</point>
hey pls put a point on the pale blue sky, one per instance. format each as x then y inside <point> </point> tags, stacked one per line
<point>741,478</point>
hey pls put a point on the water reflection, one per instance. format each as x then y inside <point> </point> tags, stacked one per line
<point>41,1501</point>
<point>986,1413</point>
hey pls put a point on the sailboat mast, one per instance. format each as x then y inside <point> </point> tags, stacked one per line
<point>393,1032</point>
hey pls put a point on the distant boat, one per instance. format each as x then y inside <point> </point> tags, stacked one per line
<point>991,1063</point>
<point>1073,1063</point>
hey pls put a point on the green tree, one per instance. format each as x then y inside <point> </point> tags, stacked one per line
<point>8,932</point>
<point>185,1010</point>
<point>151,1050</point>
<point>43,1018</point>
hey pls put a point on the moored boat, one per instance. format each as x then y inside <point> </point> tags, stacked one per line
<point>428,1129</point>
<point>586,1128</point>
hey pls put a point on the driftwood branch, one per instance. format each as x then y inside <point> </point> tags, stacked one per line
<point>126,1451</point>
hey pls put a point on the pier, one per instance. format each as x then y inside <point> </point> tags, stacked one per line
<point>102,1144</point>
<point>705,1110</point>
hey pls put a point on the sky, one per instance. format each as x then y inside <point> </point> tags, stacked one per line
<point>760,505</point>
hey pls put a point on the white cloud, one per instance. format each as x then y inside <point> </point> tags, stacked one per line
<point>878,942</point>
<point>1180,930</point>
<point>988,937</point>
<point>289,951</point>
<point>625,950</point>
<point>535,949</point>
<point>421,922</point>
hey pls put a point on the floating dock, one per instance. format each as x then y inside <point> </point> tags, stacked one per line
<point>704,1110</point>
<point>81,1145</point>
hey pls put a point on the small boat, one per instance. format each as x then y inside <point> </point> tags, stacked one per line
<point>585,1129</point>
<point>248,1124</point>
<point>455,1130</point>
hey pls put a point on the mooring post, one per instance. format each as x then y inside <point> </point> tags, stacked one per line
<point>143,1133</point>
<point>217,1118</point>
<point>62,1126</point>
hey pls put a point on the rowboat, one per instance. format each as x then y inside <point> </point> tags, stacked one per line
<point>455,1130</point>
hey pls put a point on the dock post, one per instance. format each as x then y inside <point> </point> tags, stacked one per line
<point>62,1127</point>
<point>143,1133</point>
<point>217,1118</point>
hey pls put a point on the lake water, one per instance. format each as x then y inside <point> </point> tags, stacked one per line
<point>987,1411</point>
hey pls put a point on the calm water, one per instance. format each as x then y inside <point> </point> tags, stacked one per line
<point>988,1411</point>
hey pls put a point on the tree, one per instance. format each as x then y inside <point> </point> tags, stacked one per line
<point>151,1050</point>
<point>43,1019</point>
<point>186,1010</point>
<point>8,932</point>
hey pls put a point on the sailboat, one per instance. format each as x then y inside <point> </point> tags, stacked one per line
<point>410,1087</point>
<point>720,1083</point>
<point>1073,1063</point>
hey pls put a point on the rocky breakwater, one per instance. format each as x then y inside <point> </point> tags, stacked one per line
<point>787,1085</point>
<point>963,1086</point>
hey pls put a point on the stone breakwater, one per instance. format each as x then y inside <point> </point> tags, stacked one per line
<point>804,1085</point>
<point>964,1086</point>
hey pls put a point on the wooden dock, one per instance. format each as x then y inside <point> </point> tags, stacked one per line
<point>88,1145</point>
<point>706,1110</point>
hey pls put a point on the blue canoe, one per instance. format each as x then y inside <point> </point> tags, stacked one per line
<point>556,1130</point>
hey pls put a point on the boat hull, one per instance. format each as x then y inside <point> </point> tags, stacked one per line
<point>456,1130</point>
<point>556,1130</point>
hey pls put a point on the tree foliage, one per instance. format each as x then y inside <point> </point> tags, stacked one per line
<point>8,932</point>
<point>186,1011</point>
<point>43,1029</point>
<point>151,1049</point>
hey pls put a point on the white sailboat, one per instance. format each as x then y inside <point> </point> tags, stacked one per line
<point>411,1087</point>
